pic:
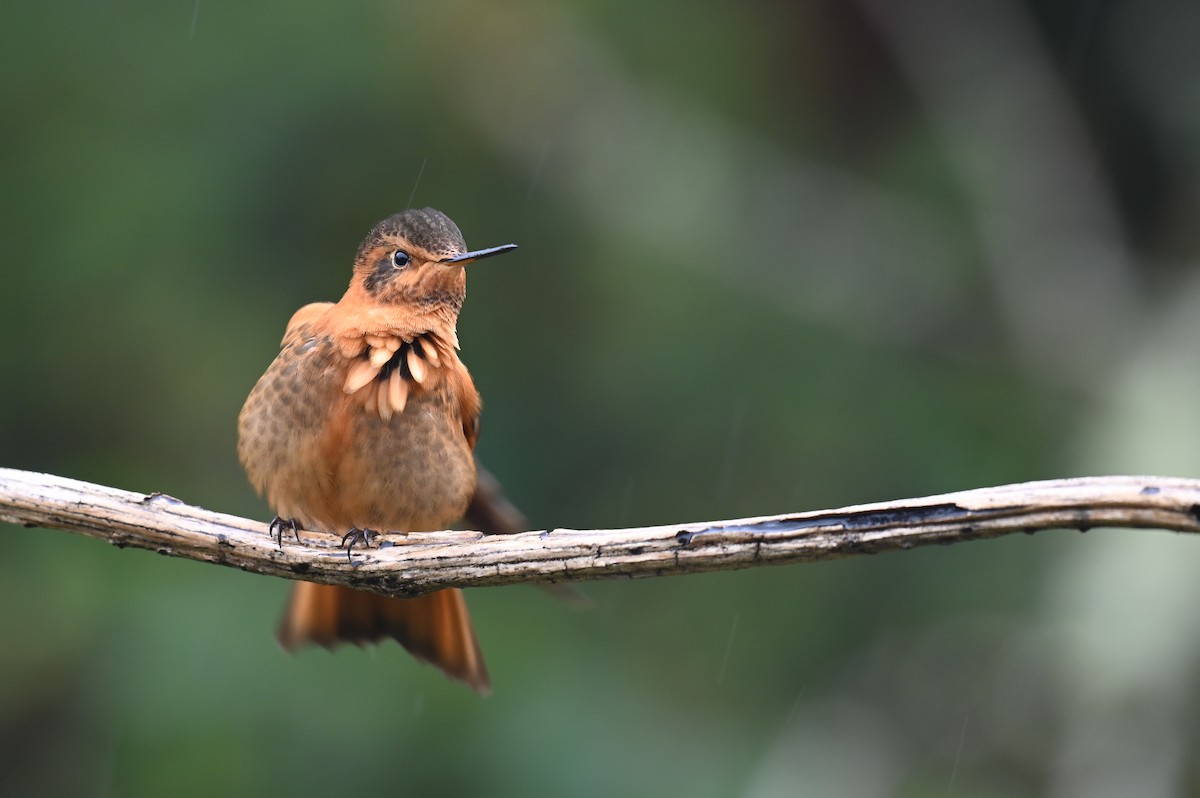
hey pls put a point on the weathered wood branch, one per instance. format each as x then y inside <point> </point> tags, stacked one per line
<point>419,562</point>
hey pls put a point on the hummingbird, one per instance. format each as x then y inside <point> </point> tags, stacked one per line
<point>367,420</point>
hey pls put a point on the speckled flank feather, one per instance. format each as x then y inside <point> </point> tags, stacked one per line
<point>367,418</point>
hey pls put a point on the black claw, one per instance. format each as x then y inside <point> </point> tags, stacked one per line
<point>277,526</point>
<point>356,535</point>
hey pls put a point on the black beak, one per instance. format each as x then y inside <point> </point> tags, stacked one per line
<point>479,254</point>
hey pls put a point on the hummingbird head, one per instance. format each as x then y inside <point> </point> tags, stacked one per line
<point>416,258</point>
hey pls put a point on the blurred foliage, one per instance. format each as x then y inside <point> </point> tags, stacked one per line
<point>773,257</point>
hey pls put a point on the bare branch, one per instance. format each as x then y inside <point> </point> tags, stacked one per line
<point>406,565</point>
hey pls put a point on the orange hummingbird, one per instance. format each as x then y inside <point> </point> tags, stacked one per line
<point>367,420</point>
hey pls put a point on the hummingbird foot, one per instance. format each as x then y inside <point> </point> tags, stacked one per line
<point>356,535</point>
<point>277,526</point>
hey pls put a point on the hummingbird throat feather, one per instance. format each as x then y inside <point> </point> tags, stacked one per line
<point>390,368</point>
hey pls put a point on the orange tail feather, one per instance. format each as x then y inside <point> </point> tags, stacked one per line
<point>434,628</point>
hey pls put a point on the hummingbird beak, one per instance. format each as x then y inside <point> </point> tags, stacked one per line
<point>479,254</point>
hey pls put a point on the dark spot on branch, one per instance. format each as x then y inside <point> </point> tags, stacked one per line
<point>544,535</point>
<point>1150,490</point>
<point>637,550</point>
<point>301,568</point>
<point>856,521</point>
<point>1194,511</point>
<point>223,540</point>
<point>910,516</point>
<point>852,543</point>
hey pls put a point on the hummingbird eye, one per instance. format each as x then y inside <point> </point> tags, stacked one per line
<point>400,259</point>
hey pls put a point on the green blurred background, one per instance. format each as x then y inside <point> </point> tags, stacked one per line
<point>774,256</point>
